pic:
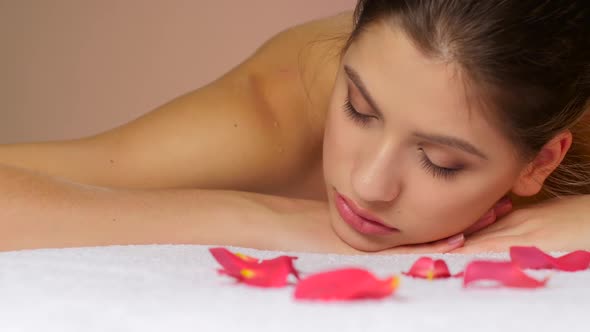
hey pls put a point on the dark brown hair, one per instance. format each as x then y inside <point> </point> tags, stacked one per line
<point>527,59</point>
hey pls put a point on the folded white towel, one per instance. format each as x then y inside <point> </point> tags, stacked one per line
<point>176,288</point>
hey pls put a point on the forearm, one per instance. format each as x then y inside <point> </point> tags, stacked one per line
<point>37,211</point>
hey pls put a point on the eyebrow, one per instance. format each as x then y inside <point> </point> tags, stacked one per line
<point>356,79</point>
<point>452,142</point>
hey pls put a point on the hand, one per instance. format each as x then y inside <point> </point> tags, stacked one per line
<point>561,224</point>
<point>502,207</point>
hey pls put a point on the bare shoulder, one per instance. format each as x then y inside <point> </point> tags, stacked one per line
<point>266,114</point>
<point>295,72</point>
<point>257,128</point>
<point>298,68</point>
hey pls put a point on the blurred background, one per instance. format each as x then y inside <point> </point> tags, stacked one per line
<point>71,68</point>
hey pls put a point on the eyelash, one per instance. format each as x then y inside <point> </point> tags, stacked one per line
<point>437,171</point>
<point>354,115</point>
<point>429,166</point>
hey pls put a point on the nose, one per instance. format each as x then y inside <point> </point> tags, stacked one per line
<point>376,177</point>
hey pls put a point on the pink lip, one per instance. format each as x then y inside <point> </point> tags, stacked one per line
<point>359,219</point>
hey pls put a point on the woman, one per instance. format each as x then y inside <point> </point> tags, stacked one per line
<point>412,123</point>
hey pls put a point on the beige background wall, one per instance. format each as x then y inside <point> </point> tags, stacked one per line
<point>70,68</point>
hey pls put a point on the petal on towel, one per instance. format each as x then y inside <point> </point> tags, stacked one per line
<point>231,262</point>
<point>267,273</point>
<point>428,268</point>
<point>506,273</point>
<point>535,258</point>
<point>283,262</point>
<point>345,284</point>
<point>274,275</point>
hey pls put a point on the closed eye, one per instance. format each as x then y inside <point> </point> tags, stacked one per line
<point>354,115</point>
<point>437,171</point>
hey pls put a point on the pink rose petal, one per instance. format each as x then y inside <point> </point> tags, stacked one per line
<point>345,284</point>
<point>251,271</point>
<point>535,258</point>
<point>427,268</point>
<point>505,273</point>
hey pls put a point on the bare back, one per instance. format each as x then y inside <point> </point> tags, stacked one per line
<point>258,128</point>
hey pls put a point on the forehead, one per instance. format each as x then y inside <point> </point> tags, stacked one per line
<point>389,63</point>
<point>402,79</point>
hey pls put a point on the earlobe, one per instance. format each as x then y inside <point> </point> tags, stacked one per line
<point>531,179</point>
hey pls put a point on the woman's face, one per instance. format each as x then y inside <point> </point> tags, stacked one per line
<point>407,145</point>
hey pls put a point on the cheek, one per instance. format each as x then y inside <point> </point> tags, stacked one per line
<point>443,209</point>
<point>339,144</point>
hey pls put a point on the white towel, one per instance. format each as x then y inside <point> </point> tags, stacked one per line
<point>176,288</point>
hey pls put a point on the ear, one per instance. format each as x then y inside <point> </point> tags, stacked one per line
<point>531,179</point>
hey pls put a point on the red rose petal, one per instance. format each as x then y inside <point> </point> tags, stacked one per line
<point>345,284</point>
<point>251,271</point>
<point>427,268</point>
<point>232,263</point>
<point>506,273</point>
<point>267,276</point>
<point>574,261</point>
<point>285,262</point>
<point>535,258</point>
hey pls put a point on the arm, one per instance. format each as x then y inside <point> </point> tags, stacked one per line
<point>559,224</point>
<point>38,211</point>
<point>249,130</point>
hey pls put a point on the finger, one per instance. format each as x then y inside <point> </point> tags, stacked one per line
<point>500,209</point>
<point>506,227</point>
<point>486,220</point>
<point>496,244</point>
<point>481,248</point>
<point>503,207</point>
<point>440,246</point>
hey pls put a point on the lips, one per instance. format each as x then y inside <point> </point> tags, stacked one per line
<point>360,220</point>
